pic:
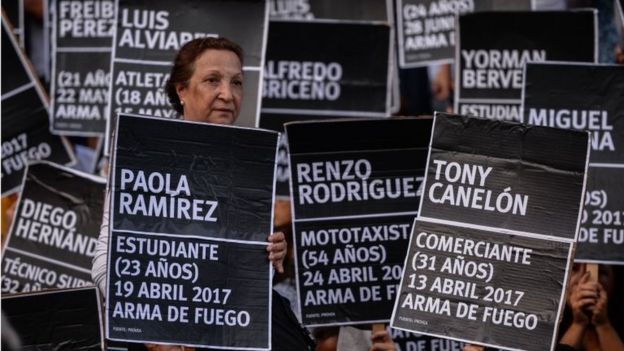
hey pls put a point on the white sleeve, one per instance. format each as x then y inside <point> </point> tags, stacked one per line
<point>99,266</point>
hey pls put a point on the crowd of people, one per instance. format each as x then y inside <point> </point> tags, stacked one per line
<point>206,85</point>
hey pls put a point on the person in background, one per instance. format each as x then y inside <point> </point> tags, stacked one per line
<point>590,321</point>
<point>381,341</point>
<point>326,338</point>
<point>9,204</point>
<point>442,87</point>
<point>364,338</point>
<point>470,347</point>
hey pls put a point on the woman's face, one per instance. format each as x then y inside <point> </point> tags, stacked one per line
<point>214,92</point>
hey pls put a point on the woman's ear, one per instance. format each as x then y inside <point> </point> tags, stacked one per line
<point>181,91</point>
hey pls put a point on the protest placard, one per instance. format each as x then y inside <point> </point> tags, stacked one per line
<point>306,73</point>
<point>68,319</point>
<point>406,341</point>
<point>54,233</point>
<point>82,39</point>
<point>150,33</point>
<point>587,97</point>
<point>353,201</point>
<point>488,73</point>
<point>500,184</point>
<point>345,10</point>
<point>490,251</point>
<point>426,29</point>
<point>191,208</point>
<point>601,236</point>
<point>14,10</point>
<point>25,127</point>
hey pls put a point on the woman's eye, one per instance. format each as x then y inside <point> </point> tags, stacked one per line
<point>212,80</point>
<point>238,83</point>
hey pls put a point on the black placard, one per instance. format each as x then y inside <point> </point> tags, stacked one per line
<point>14,74</point>
<point>601,236</point>
<point>231,166</point>
<point>305,73</point>
<point>367,12</point>
<point>345,10</point>
<point>26,273</point>
<point>482,286</point>
<point>191,209</point>
<point>54,233</point>
<point>587,97</point>
<point>82,39</point>
<point>489,72</point>
<point>25,126</point>
<point>581,97</point>
<point>426,29</point>
<point>353,203</point>
<point>14,10</point>
<point>63,319</point>
<point>406,341</point>
<point>487,271</point>
<point>149,34</point>
<point>219,297</point>
<point>505,175</point>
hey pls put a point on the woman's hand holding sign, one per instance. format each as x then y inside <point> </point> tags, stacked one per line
<point>277,250</point>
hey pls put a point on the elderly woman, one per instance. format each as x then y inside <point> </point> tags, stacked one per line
<point>206,81</point>
<point>205,85</point>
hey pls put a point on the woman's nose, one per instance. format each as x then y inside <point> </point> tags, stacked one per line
<point>225,92</point>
